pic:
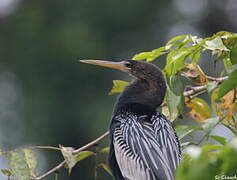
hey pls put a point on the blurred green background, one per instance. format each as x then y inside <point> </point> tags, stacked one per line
<point>48,98</point>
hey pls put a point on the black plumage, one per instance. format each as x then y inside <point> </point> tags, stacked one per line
<point>143,143</point>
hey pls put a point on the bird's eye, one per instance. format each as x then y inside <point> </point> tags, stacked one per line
<point>128,64</point>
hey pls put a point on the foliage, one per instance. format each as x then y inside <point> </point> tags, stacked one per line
<point>183,55</point>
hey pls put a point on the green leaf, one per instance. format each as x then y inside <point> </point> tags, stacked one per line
<point>104,150</point>
<point>31,160</point>
<point>233,54</point>
<point>174,97</point>
<point>19,167</point>
<point>212,147</point>
<point>195,56</point>
<point>231,68</point>
<point>83,155</point>
<point>156,53</point>
<point>210,123</point>
<point>177,38</point>
<point>118,86</point>
<point>142,56</point>
<point>105,167</point>
<point>197,40</point>
<point>185,130</point>
<point>150,56</point>
<point>176,42</point>
<point>209,162</point>
<point>211,86</point>
<point>69,157</point>
<point>215,44</point>
<point>219,139</point>
<point>228,84</point>
<point>175,59</point>
<point>228,157</point>
<point>6,172</point>
<point>173,102</point>
<point>176,84</point>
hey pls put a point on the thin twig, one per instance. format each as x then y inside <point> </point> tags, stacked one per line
<point>59,166</point>
<point>92,143</point>
<point>43,147</point>
<point>219,79</point>
<point>197,89</point>
<point>192,92</point>
<point>30,147</point>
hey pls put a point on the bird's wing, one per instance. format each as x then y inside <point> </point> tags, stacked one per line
<point>146,150</point>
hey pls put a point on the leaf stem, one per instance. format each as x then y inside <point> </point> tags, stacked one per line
<point>59,166</point>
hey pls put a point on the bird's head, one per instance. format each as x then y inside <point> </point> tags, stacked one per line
<point>138,69</point>
<point>148,88</point>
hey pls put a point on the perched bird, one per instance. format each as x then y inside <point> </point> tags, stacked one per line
<point>143,143</point>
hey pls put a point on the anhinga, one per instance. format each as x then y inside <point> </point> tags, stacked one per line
<point>143,143</point>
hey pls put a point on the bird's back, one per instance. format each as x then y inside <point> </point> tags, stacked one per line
<point>144,145</point>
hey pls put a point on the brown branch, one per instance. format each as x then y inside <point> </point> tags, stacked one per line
<point>219,79</point>
<point>92,143</point>
<point>30,147</point>
<point>194,91</point>
<point>59,166</point>
<point>201,89</point>
<point>43,147</point>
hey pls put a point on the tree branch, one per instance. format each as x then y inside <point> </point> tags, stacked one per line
<point>197,89</point>
<point>59,166</point>
<point>219,79</point>
<point>194,91</point>
<point>92,143</point>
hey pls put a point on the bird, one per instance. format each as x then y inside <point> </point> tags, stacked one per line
<point>143,143</point>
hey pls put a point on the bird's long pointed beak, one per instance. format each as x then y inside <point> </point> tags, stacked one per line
<point>115,65</point>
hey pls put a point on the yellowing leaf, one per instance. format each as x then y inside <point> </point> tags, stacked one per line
<point>228,84</point>
<point>118,86</point>
<point>224,107</point>
<point>69,157</point>
<point>19,167</point>
<point>196,74</point>
<point>200,110</point>
<point>31,160</point>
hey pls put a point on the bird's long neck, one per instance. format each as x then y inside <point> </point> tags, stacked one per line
<point>148,93</point>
